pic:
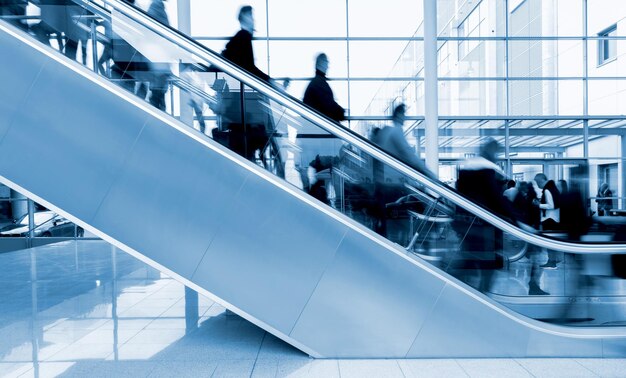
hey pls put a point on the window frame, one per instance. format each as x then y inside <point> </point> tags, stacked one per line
<point>605,45</point>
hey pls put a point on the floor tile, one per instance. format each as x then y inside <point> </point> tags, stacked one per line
<point>431,368</point>
<point>555,368</point>
<point>117,369</point>
<point>369,368</point>
<point>233,369</point>
<point>186,369</point>
<point>495,368</point>
<point>605,367</point>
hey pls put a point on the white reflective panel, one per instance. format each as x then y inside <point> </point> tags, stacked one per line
<point>471,58</point>
<point>320,18</point>
<point>390,18</point>
<point>181,214</point>
<point>381,312</point>
<point>17,75</point>
<point>270,254</point>
<point>376,59</point>
<point>607,97</point>
<point>546,97</point>
<point>443,333</point>
<point>366,95</point>
<point>297,58</point>
<point>218,18</point>
<point>601,14</point>
<point>472,98</point>
<point>547,18</point>
<point>64,109</point>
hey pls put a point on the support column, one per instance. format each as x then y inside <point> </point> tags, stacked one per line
<point>431,96</point>
<point>184,26</point>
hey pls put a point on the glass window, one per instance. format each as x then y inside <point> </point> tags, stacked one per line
<point>389,18</point>
<point>545,58</point>
<point>472,97</point>
<point>607,47</point>
<point>216,18</point>
<point>320,18</point>
<point>296,59</point>
<point>546,18</point>
<point>381,64</point>
<point>545,97</point>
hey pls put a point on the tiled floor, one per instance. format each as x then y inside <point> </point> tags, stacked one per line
<point>86,309</point>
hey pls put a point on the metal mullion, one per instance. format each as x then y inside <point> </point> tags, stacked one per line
<point>585,82</point>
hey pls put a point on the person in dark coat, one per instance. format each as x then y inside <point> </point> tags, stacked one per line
<point>480,180</point>
<point>604,205</point>
<point>318,94</point>
<point>239,49</point>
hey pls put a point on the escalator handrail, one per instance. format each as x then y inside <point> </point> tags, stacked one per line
<point>202,52</point>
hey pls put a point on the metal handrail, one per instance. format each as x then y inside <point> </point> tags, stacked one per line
<point>353,138</point>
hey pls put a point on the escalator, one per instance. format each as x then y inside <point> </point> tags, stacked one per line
<point>242,231</point>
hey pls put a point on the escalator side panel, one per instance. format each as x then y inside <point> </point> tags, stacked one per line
<point>612,348</point>
<point>387,302</point>
<point>176,193</point>
<point>456,321</point>
<point>541,344</point>
<point>270,253</point>
<point>18,71</point>
<point>69,133</point>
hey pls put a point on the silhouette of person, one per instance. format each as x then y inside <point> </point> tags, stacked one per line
<point>392,140</point>
<point>239,48</point>
<point>160,71</point>
<point>318,94</point>
<point>480,179</point>
<point>389,183</point>
<point>604,205</point>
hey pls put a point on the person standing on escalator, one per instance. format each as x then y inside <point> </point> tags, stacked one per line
<point>239,48</point>
<point>160,72</point>
<point>480,180</point>
<point>249,135</point>
<point>318,94</point>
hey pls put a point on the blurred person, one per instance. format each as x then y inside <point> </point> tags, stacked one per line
<point>129,65</point>
<point>392,140</point>
<point>319,95</point>
<point>576,222</point>
<point>511,190</point>
<point>525,210</point>
<point>562,186</point>
<point>548,203</point>
<point>239,48</point>
<point>480,180</point>
<point>14,8</point>
<point>195,101</point>
<point>255,135</point>
<point>573,213</point>
<point>61,17</point>
<point>159,71</point>
<point>605,203</point>
<point>387,181</point>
